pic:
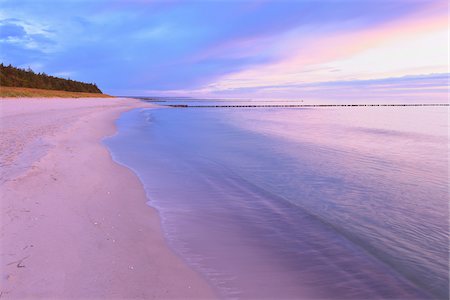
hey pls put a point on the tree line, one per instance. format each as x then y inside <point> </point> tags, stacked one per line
<point>16,77</point>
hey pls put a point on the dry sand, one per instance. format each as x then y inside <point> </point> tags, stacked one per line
<point>74,224</point>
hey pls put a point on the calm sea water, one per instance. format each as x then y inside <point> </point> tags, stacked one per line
<point>335,203</point>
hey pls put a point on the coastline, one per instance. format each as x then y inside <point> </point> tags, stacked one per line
<point>74,223</point>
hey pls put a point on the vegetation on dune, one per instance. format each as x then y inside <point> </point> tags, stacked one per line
<point>14,92</point>
<point>15,77</point>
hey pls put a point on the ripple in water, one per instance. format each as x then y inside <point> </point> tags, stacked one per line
<point>343,203</point>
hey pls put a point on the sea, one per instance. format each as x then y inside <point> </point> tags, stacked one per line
<point>269,202</point>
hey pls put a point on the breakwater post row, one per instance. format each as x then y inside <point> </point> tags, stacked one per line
<point>301,105</point>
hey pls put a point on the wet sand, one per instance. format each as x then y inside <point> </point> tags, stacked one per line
<point>74,224</point>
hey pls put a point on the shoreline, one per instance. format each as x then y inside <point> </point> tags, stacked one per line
<point>74,223</point>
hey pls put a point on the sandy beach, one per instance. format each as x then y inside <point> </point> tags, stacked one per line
<point>74,224</point>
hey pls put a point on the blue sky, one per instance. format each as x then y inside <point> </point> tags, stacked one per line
<point>268,49</point>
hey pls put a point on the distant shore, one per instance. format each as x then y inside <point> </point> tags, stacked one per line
<point>74,224</point>
<point>21,92</point>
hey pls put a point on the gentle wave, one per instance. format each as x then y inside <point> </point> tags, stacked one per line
<point>318,203</point>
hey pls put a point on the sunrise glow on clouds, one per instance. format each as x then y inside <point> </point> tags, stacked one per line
<point>411,46</point>
<point>286,49</point>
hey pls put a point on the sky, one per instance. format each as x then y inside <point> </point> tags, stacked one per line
<point>300,49</point>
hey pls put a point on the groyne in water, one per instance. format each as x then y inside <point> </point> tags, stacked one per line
<point>300,105</point>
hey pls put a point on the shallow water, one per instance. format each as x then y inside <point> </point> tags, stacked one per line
<point>342,203</point>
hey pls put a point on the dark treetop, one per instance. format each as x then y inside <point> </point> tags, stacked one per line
<point>15,77</point>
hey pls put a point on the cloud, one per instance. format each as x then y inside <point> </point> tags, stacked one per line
<point>24,36</point>
<point>413,88</point>
<point>414,44</point>
<point>405,82</point>
<point>8,30</point>
<point>212,46</point>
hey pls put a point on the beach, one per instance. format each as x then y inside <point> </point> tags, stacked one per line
<point>75,224</point>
